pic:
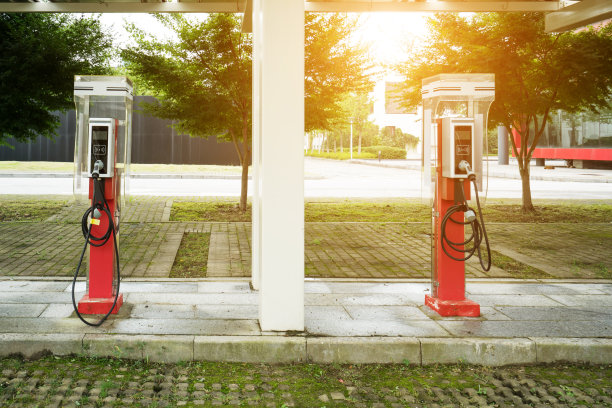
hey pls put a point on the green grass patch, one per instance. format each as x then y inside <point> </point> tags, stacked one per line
<point>29,209</point>
<point>346,211</point>
<point>395,211</point>
<point>547,213</point>
<point>341,155</point>
<point>44,166</point>
<point>185,169</point>
<point>270,384</point>
<point>602,271</point>
<point>192,256</point>
<point>517,269</point>
<point>212,211</point>
<point>355,211</point>
<point>36,166</point>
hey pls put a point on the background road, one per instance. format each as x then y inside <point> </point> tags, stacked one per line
<point>324,178</point>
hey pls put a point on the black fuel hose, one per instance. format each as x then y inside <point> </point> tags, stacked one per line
<point>479,232</point>
<point>97,242</point>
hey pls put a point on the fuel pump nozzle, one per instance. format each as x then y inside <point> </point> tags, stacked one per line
<point>479,231</point>
<point>465,166</point>
<point>95,174</point>
<point>98,167</point>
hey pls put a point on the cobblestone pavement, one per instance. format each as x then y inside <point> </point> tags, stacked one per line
<point>76,381</point>
<point>339,250</point>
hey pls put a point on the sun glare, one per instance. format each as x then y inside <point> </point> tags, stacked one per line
<point>392,35</point>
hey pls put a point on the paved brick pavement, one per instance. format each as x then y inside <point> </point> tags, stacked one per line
<point>561,250</point>
<point>341,250</point>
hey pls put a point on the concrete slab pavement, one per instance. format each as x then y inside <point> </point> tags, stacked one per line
<point>373,321</point>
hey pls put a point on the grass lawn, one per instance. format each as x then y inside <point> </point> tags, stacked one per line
<point>29,209</point>
<point>192,256</point>
<point>395,211</point>
<point>36,166</point>
<point>67,167</point>
<point>517,269</point>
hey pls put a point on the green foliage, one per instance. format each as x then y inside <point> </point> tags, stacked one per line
<point>492,141</point>
<point>201,76</point>
<point>386,152</point>
<point>355,107</point>
<point>535,72</point>
<point>393,136</point>
<point>41,54</point>
<point>333,66</point>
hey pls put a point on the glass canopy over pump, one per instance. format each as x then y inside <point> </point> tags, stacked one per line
<point>102,97</point>
<point>456,96</point>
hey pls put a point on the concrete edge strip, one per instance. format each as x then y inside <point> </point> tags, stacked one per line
<point>295,349</point>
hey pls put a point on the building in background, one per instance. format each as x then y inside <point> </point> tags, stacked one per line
<point>153,141</point>
<point>583,139</point>
<point>388,112</point>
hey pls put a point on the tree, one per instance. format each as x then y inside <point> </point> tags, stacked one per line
<point>394,137</point>
<point>356,107</point>
<point>202,79</point>
<point>333,66</point>
<point>536,73</point>
<point>39,56</point>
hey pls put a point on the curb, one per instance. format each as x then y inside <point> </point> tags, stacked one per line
<point>324,350</point>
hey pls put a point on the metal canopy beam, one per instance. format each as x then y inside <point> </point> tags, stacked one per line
<point>578,15</point>
<point>238,6</point>
<point>438,6</point>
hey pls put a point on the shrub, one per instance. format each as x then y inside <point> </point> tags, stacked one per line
<point>341,155</point>
<point>387,152</point>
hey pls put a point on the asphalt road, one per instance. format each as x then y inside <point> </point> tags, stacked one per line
<point>324,178</point>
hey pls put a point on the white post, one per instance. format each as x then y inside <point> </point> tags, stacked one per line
<point>256,160</point>
<point>278,29</point>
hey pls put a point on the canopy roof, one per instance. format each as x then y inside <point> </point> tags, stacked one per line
<point>562,17</point>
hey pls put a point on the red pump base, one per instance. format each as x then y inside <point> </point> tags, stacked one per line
<point>466,307</point>
<point>99,306</point>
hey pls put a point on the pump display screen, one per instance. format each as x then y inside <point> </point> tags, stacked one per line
<point>99,146</point>
<point>463,147</point>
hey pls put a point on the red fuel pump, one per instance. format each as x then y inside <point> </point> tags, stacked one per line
<point>451,248</point>
<point>100,224</point>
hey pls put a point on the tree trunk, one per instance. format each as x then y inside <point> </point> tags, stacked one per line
<point>359,146</point>
<point>523,158</point>
<point>244,183</point>
<point>525,181</point>
<point>246,160</point>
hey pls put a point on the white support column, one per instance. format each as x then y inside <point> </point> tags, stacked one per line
<point>256,155</point>
<point>278,27</point>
